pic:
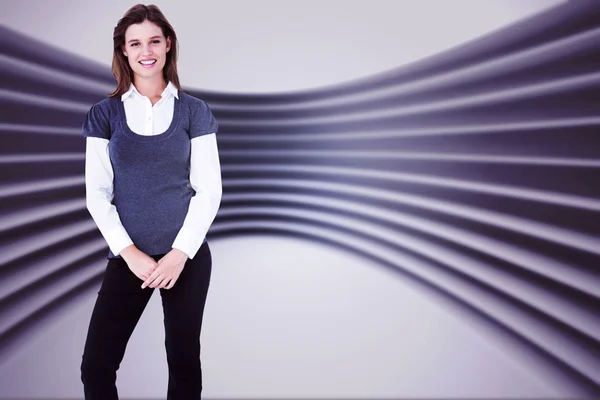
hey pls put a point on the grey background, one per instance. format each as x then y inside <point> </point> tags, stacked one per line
<point>291,312</point>
<point>276,46</point>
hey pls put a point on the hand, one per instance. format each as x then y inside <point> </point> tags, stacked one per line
<point>141,264</point>
<point>168,270</point>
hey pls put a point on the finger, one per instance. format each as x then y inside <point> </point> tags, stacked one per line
<point>157,281</point>
<point>164,283</point>
<point>172,283</point>
<point>146,282</point>
<point>160,282</point>
<point>151,278</point>
<point>151,268</point>
<point>144,275</point>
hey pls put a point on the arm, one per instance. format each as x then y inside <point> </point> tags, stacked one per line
<point>205,178</point>
<point>99,194</point>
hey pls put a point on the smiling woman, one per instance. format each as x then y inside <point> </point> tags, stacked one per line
<point>144,46</point>
<point>153,187</point>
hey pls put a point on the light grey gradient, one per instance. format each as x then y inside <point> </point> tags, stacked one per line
<point>287,317</point>
<point>292,319</point>
<point>277,46</point>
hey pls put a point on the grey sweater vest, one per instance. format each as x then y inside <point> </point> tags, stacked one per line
<point>152,190</point>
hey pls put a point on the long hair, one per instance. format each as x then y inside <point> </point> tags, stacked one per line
<point>120,67</point>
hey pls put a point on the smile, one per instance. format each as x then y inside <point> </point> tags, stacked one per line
<point>148,63</point>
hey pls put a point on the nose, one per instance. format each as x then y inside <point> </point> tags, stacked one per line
<point>146,50</point>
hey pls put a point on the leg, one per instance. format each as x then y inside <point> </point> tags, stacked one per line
<point>183,307</point>
<point>118,308</point>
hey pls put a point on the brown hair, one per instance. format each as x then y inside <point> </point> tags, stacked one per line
<point>120,67</point>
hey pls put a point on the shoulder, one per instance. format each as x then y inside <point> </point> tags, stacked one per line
<point>97,122</point>
<point>105,104</point>
<point>202,121</point>
<point>194,105</point>
<point>104,109</point>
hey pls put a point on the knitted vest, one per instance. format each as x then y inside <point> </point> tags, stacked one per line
<point>151,186</point>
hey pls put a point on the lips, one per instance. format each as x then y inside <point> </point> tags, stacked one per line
<point>151,63</point>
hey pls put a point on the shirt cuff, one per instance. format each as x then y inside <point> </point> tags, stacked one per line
<point>118,239</point>
<point>188,242</point>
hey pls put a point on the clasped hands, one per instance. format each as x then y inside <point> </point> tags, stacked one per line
<point>162,274</point>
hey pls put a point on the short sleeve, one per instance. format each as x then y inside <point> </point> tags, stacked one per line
<point>202,121</point>
<point>96,123</point>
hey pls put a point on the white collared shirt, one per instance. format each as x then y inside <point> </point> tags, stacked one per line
<point>205,174</point>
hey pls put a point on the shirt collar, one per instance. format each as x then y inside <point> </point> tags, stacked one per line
<point>169,89</point>
<point>172,89</point>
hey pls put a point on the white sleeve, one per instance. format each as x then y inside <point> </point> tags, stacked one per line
<point>99,194</point>
<point>205,178</point>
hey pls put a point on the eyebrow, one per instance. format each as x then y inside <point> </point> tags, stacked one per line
<point>153,37</point>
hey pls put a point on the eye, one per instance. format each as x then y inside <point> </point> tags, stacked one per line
<point>155,41</point>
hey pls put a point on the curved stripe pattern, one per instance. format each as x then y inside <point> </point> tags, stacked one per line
<point>472,173</point>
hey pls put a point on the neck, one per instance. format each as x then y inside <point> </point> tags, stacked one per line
<point>150,87</point>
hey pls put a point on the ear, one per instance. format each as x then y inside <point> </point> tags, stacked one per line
<point>123,50</point>
<point>168,44</point>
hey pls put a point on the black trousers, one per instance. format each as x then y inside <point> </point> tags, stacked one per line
<point>118,308</point>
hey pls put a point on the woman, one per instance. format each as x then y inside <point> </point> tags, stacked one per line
<point>153,187</point>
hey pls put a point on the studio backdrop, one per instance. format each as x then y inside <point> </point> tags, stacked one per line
<point>411,200</point>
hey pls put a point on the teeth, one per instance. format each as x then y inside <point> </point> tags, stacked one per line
<point>148,62</point>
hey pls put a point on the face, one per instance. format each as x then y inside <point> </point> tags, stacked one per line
<point>146,49</point>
